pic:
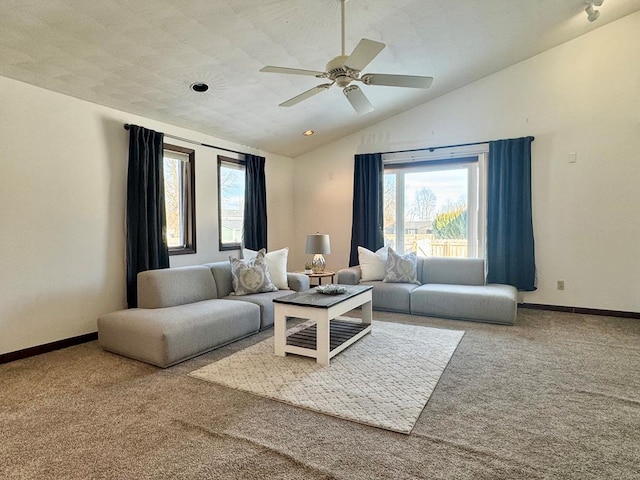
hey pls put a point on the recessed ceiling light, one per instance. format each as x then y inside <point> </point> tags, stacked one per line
<point>308,133</point>
<point>199,87</point>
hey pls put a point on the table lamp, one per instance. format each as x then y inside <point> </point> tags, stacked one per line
<point>317,244</point>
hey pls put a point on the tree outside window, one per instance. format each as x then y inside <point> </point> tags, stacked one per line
<point>179,192</point>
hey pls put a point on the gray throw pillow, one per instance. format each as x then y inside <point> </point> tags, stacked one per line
<point>251,276</point>
<point>401,268</point>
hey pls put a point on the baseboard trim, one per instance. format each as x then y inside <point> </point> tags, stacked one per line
<point>47,347</point>
<point>581,310</point>
<point>89,337</point>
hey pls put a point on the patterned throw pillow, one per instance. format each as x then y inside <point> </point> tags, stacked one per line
<point>276,264</point>
<point>401,268</point>
<point>251,276</point>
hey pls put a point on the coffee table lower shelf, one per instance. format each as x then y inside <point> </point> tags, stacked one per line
<point>339,333</point>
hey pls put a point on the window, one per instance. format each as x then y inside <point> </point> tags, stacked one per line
<point>179,192</point>
<point>432,207</point>
<point>231,185</point>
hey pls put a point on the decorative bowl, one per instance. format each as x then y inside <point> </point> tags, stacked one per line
<point>331,289</point>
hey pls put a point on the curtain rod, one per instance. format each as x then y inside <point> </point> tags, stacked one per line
<point>431,149</point>
<point>126,127</point>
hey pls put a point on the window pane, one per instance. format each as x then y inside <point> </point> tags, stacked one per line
<point>232,182</point>
<point>433,216</point>
<point>179,176</point>
<point>174,205</point>
<point>436,215</point>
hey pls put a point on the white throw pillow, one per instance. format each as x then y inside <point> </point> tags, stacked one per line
<point>372,264</point>
<point>276,263</point>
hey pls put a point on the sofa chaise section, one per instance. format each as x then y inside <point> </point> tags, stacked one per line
<point>484,303</point>
<point>186,311</point>
<point>179,317</point>
<point>170,335</point>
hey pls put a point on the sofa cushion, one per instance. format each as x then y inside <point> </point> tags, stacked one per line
<point>169,287</point>
<point>276,263</point>
<point>166,336</point>
<point>372,264</point>
<point>265,302</point>
<point>394,297</point>
<point>401,268</point>
<point>486,303</point>
<point>250,276</point>
<point>454,271</point>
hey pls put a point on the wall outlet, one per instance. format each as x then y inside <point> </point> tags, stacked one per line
<point>560,285</point>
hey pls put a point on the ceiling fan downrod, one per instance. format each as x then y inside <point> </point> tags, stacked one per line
<point>342,14</point>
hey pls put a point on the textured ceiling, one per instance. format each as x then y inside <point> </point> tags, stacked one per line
<point>141,56</point>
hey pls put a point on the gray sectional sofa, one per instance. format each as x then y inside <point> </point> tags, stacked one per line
<point>449,287</point>
<point>186,311</point>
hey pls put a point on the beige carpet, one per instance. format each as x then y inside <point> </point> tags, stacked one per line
<point>554,397</point>
<point>383,380</point>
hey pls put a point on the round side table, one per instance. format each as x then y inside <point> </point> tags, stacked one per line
<point>320,276</point>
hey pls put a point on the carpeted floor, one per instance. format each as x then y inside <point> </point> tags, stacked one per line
<point>555,396</point>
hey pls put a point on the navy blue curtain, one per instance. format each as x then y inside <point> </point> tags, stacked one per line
<point>366,229</point>
<point>255,204</point>
<point>510,247</point>
<point>146,220</point>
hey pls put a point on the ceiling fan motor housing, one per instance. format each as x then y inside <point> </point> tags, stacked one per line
<point>340,74</point>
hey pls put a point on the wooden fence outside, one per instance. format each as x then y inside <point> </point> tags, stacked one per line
<point>425,246</point>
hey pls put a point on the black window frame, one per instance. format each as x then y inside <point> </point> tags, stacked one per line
<point>235,161</point>
<point>189,200</point>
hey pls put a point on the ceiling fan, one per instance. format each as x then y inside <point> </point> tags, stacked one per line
<point>345,69</point>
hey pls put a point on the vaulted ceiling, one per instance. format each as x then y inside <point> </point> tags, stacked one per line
<point>141,56</point>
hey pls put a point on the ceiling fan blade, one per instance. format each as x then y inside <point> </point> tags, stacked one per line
<point>365,51</point>
<point>357,100</point>
<point>411,81</point>
<point>304,95</point>
<point>291,71</point>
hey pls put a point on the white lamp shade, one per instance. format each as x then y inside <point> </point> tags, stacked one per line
<point>318,243</point>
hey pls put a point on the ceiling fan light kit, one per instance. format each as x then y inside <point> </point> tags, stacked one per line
<point>345,69</point>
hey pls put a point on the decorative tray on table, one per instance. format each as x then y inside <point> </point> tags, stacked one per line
<point>331,289</point>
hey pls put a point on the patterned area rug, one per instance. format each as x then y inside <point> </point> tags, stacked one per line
<point>383,380</point>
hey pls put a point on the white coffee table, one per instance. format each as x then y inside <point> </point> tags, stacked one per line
<point>327,336</point>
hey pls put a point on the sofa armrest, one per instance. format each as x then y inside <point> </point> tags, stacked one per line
<point>298,281</point>
<point>350,276</point>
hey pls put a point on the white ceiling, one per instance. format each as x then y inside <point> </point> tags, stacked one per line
<point>141,56</point>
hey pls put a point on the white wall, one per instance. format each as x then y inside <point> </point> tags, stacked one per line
<point>279,182</point>
<point>62,201</point>
<point>62,188</point>
<point>582,97</point>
